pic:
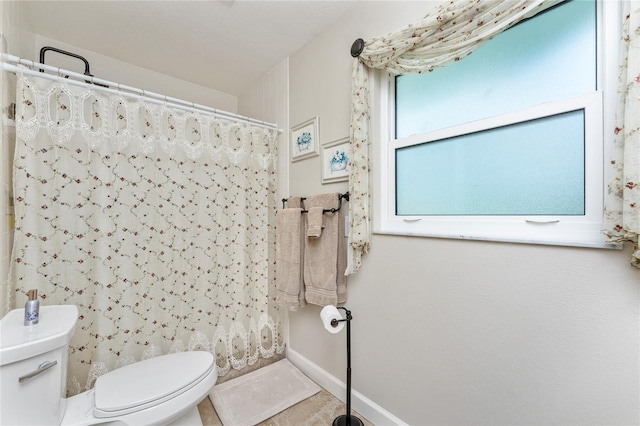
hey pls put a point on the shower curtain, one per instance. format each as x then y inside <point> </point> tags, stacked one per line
<point>156,223</point>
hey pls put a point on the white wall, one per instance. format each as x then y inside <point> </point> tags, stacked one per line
<point>464,332</point>
<point>124,73</point>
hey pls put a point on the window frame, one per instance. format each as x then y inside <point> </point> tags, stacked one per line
<point>584,230</point>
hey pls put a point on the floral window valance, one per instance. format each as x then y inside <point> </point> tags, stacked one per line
<point>451,32</point>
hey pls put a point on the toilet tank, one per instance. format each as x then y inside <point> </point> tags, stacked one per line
<point>33,365</point>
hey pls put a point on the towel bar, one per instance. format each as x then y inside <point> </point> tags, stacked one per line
<point>332,210</point>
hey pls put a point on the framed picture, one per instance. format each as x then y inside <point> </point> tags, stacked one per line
<point>305,140</point>
<point>335,161</point>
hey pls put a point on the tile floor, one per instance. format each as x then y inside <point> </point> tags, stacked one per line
<point>319,410</point>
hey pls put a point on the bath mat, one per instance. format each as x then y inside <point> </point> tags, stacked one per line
<point>256,396</point>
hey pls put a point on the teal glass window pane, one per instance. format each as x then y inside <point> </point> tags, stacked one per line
<point>548,57</point>
<point>531,168</point>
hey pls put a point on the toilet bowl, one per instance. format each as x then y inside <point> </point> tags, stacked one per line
<point>33,374</point>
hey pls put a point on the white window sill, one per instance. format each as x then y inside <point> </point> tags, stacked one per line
<point>589,239</point>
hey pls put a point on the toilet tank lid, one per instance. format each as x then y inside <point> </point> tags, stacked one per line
<point>54,330</point>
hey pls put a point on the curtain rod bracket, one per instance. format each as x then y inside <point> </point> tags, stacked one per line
<point>357,47</point>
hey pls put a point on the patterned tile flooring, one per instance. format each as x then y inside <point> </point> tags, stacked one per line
<point>319,410</point>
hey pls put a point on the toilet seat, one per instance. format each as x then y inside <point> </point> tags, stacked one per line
<point>150,382</point>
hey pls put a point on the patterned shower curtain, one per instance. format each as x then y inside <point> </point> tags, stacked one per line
<point>156,223</point>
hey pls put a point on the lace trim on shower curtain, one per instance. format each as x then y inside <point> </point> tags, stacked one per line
<point>156,223</point>
<point>255,340</point>
<point>123,123</point>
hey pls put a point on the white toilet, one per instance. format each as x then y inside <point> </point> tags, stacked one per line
<point>33,376</point>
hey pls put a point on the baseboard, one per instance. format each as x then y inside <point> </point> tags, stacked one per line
<point>360,403</point>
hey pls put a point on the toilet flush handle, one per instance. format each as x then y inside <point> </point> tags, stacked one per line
<point>41,369</point>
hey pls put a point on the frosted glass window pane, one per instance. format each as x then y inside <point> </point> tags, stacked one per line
<point>531,168</point>
<point>549,57</point>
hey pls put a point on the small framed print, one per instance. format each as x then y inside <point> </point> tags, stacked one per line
<point>305,140</point>
<point>335,161</point>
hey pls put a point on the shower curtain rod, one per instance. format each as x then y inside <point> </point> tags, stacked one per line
<point>101,85</point>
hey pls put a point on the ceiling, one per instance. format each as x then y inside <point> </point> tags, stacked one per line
<point>221,44</point>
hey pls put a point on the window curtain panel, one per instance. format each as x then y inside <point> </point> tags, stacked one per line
<point>622,204</point>
<point>450,33</point>
<point>156,223</point>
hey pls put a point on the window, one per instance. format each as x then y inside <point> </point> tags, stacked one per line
<point>508,143</point>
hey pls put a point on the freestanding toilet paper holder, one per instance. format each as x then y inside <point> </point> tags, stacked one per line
<point>346,419</point>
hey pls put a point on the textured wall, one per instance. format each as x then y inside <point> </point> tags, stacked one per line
<point>466,332</point>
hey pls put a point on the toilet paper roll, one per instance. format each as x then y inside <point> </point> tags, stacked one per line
<point>329,313</point>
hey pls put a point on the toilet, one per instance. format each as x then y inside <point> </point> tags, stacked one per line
<point>33,375</point>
